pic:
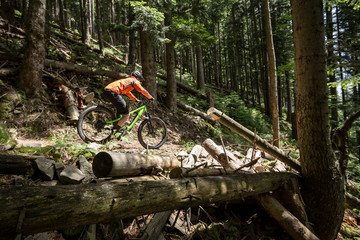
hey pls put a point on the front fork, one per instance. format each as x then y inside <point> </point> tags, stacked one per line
<point>150,126</point>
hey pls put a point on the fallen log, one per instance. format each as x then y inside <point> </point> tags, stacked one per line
<point>193,157</point>
<point>201,172</point>
<point>17,165</point>
<point>72,111</point>
<point>113,164</point>
<point>289,222</point>
<point>153,230</point>
<point>69,66</point>
<point>255,139</point>
<point>216,152</point>
<point>79,205</point>
<point>195,111</point>
<point>183,87</point>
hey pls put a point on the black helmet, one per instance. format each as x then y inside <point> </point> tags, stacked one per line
<point>138,75</point>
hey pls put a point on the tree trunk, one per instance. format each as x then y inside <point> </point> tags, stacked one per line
<point>132,41</point>
<point>72,111</point>
<point>200,172</point>
<point>16,165</point>
<point>273,81</point>
<point>200,69</point>
<point>171,93</point>
<point>112,164</point>
<point>318,162</point>
<point>99,28</point>
<point>287,220</point>
<point>331,63</point>
<point>80,205</point>
<point>253,138</point>
<point>216,152</point>
<point>30,79</point>
<point>195,111</point>
<point>148,63</point>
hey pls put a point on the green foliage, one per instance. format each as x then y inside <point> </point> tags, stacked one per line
<point>235,108</point>
<point>188,144</point>
<point>346,83</point>
<point>91,236</point>
<point>63,146</point>
<point>4,134</point>
<point>189,29</point>
<point>354,4</point>
<point>18,13</point>
<point>353,168</point>
<point>148,19</point>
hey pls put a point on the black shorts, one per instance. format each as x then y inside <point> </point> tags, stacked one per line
<point>116,100</point>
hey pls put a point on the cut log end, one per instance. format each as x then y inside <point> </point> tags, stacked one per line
<point>102,164</point>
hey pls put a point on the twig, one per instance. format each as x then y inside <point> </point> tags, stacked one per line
<point>196,167</point>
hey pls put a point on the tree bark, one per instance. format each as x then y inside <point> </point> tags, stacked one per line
<point>30,79</point>
<point>171,93</point>
<point>99,28</point>
<point>195,111</point>
<point>273,78</point>
<point>153,230</point>
<point>318,161</point>
<point>72,111</point>
<point>331,64</point>
<point>200,172</point>
<point>112,164</point>
<point>16,165</point>
<point>80,205</point>
<point>148,63</point>
<point>251,137</point>
<point>287,220</point>
<point>216,152</point>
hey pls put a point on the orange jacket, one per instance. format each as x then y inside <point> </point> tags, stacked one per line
<point>126,85</point>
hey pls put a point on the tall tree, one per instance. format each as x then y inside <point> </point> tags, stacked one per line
<point>322,181</point>
<point>85,20</point>
<point>171,99</point>
<point>30,78</point>
<point>331,62</point>
<point>273,78</point>
<point>99,28</point>
<point>148,20</point>
<point>200,77</point>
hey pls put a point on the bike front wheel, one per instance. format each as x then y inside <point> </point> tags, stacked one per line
<point>92,125</point>
<point>152,133</point>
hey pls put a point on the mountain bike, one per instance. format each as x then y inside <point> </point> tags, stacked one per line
<point>97,124</point>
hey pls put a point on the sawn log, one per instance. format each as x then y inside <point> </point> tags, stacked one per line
<point>114,164</point>
<point>60,207</point>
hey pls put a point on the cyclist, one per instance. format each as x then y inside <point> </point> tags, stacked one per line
<point>112,93</point>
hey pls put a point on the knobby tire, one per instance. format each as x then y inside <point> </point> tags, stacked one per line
<point>152,133</point>
<point>91,125</point>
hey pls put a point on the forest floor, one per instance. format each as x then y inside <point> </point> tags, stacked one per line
<point>245,220</point>
<point>32,124</point>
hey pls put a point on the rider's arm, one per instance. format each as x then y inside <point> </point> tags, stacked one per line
<point>142,90</point>
<point>131,96</point>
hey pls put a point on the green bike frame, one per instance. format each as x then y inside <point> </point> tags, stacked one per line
<point>139,111</point>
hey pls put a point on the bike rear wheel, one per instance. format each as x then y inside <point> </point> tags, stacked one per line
<point>152,133</point>
<point>92,125</point>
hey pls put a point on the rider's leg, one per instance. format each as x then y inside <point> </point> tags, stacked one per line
<point>120,104</point>
<point>123,120</point>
